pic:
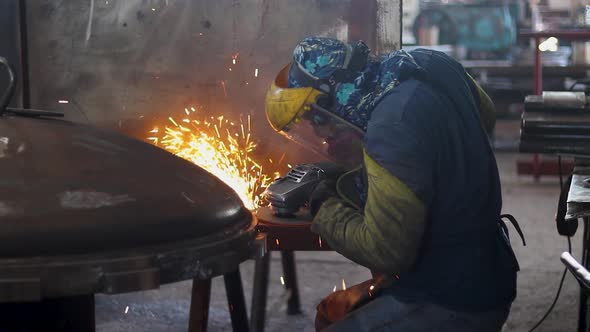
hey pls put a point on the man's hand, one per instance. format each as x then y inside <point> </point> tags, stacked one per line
<point>338,304</point>
<point>323,190</point>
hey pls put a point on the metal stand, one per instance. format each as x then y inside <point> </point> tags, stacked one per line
<point>201,294</point>
<point>199,310</point>
<point>583,310</point>
<point>259,293</point>
<point>235,300</point>
<point>293,303</point>
<point>260,289</point>
<point>68,314</point>
<point>286,236</point>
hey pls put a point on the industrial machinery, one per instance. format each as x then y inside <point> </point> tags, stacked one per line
<point>288,194</point>
<point>478,27</point>
<point>556,122</point>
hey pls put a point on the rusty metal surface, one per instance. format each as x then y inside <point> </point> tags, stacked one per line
<point>67,188</point>
<point>292,234</point>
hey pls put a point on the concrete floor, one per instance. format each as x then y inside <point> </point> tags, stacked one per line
<point>533,204</point>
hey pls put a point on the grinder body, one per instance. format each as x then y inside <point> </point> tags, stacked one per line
<point>288,194</point>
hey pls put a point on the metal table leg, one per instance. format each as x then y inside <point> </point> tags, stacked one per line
<point>583,309</point>
<point>293,303</point>
<point>199,310</point>
<point>235,300</point>
<point>259,293</point>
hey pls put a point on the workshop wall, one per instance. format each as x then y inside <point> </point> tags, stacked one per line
<point>109,61</point>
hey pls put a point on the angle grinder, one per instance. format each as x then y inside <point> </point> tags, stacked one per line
<point>288,194</point>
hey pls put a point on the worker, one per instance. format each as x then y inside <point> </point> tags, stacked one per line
<point>422,212</point>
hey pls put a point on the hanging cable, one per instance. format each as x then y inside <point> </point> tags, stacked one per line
<point>569,248</point>
<point>560,173</point>
<point>10,88</point>
<point>554,301</point>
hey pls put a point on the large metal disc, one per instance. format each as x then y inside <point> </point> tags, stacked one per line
<point>70,188</point>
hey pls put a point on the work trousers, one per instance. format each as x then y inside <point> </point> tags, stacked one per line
<point>387,314</point>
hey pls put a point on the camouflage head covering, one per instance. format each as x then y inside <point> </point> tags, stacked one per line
<point>355,100</point>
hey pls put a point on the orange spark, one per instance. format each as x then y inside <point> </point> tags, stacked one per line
<point>228,156</point>
<point>224,90</point>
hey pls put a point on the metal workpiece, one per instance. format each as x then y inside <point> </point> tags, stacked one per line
<point>38,278</point>
<point>566,99</point>
<point>73,189</point>
<point>577,270</point>
<point>85,210</point>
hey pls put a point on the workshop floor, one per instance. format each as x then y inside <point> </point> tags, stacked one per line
<point>533,204</point>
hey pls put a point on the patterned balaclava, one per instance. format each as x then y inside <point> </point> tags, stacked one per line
<point>355,100</point>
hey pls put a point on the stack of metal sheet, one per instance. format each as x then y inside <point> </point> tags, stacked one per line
<point>556,123</point>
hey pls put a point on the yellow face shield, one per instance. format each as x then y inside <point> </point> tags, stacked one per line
<point>294,113</point>
<point>285,106</point>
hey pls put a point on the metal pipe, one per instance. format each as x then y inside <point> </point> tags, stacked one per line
<point>293,303</point>
<point>24,54</point>
<point>199,309</point>
<point>235,300</point>
<point>11,84</point>
<point>259,293</point>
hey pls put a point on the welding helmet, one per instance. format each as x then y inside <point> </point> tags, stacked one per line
<point>300,101</point>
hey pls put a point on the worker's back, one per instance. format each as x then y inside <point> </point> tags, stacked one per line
<point>464,263</point>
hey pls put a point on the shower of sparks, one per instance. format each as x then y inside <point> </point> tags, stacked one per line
<point>256,72</point>
<point>282,281</point>
<point>63,101</point>
<point>219,146</point>
<point>126,310</point>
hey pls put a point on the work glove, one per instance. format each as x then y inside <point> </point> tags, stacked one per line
<point>323,190</point>
<point>337,305</point>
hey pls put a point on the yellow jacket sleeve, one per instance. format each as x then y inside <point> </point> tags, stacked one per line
<point>386,236</point>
